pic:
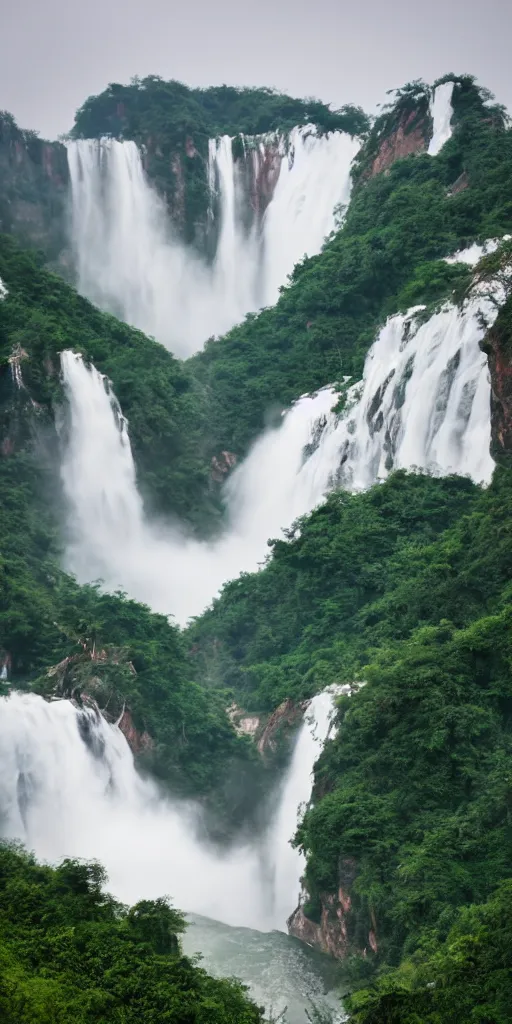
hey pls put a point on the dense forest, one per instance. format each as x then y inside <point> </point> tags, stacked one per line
<point>70,952</point>
<point>405,589</point>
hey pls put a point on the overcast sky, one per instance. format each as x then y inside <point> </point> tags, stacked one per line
<point>55,53</point>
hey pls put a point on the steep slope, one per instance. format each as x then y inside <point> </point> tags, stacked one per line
<point>33,190</point>
<point>42,315</point>
<point>398,226</point>
<point>404,588</point>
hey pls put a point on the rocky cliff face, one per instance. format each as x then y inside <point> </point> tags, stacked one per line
<point>273,733</point>
<point>336,928</point>
<point>410,136</point>
<point>498,347</point>
<point>33,190</point>
<point>403,129</point>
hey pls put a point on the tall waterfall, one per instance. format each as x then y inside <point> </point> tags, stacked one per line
<point>110,537</point>
<point>442,111</point>
<point>68,787</point>
<point>287,865</point>
<point>423,403</point>
<point>130,262</point>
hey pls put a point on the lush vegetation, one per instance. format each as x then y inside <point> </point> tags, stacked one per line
<point>172,109</point>
<point>292,629</point>
<point>397,228</point>
<point>111,648</point>
<point>463,980</point>
<point>407,589</point>
<point>71,954</point>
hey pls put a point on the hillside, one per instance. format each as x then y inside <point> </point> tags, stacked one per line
<point>400,591</point>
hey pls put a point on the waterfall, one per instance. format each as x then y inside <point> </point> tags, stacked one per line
<point>130,262</point>
<point>69,787</point>
<point>110,538</point>
<point>288,864</point>
<point>423,403</point>
<point>313,181</point>
<point>441,111</point>
<point>3,290</point>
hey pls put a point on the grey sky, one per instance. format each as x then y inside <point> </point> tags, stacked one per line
<point>55,53</point>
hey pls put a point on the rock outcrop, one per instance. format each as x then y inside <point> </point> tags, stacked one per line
<point>410,136</point>
<point>270,733</point>
<point>337,928</point>
<point>139,742</point>
<point>282,721</point>
<point>498,347</point>
<point>33,190</point>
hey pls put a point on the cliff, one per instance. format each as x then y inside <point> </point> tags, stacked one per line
<point>498,348</point>
<point>33,190</point>
<point>404,128</point>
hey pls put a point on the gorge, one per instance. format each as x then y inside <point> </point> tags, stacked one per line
<point>318,495</point>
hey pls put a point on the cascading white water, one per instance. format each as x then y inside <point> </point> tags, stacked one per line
<point>127,261</point>
<point>130,262</point>
<point>313,181</point>
<point>3,290</point>
<point>423,403</point>
<point>442,112</point>
<point>68,787</point>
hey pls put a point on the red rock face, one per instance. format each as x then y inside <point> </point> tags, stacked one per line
<point>266,170</point>
<point>190,148</point>
<point>331,933</point>
<point>139,742</point>
<point>403,141</point>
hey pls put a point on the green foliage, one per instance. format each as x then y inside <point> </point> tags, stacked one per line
<point>293,628</point>
<point>171,110</point>
<point>407,589</point>
<point>71,954</point>
<point>118,651</point>
<point>464,980</point>
<point>33,187</point>
<point>112,648</point>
